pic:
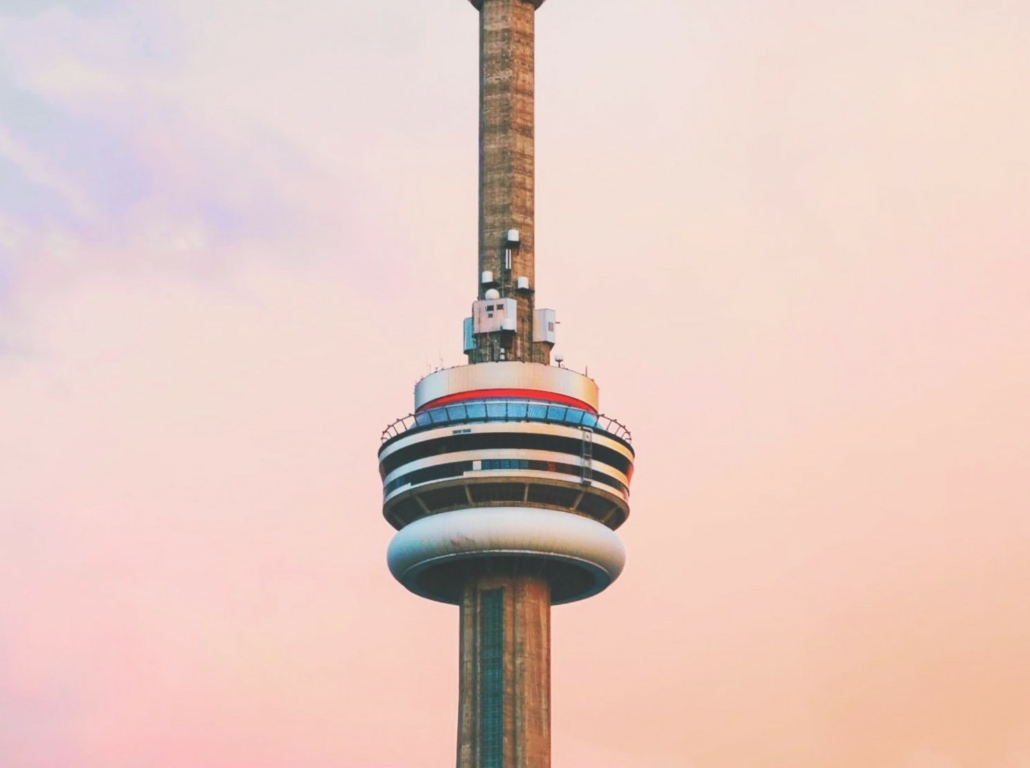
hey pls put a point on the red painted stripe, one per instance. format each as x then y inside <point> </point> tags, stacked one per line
<point>515,394</point>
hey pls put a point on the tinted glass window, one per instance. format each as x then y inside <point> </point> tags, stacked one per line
<point>459,468</point>
<point>473,442</point>
<point>556,412</point>
<point>537,411</point>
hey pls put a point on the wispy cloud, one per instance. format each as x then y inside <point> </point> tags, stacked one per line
<point>106,164</point>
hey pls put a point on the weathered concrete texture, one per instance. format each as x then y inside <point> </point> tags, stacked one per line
<point>506,153</point>
<point>479,3</point>
<point>526,672</point>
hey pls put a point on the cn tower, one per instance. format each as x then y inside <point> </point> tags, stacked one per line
<point>506,485</point>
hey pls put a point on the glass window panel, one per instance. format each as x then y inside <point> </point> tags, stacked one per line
<point>589,420</point>
<point>477,410</point>
<point>456,412</point>
<point>491,678</point>
<point>496,409</point>
<point>438,415</point>
<point>556,413</point>
<point>537,411</point>
<point>574,416</point>
<point>517,410</point>
<point>422,419</point>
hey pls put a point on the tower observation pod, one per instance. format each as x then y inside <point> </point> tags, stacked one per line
<point>505,484</point>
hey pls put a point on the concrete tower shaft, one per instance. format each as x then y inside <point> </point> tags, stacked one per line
<point>506,173</point>
<point>504,708</point>
<point>506,484</point>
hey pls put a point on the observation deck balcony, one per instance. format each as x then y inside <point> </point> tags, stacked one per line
<point>495,452</point>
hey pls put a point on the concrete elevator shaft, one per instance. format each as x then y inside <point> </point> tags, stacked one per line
<point>504,709</point>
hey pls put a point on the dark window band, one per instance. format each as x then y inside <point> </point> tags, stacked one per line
<point>459,468</point>
<point>491,677</point>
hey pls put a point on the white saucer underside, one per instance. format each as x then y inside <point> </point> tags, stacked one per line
<point>531,533</point>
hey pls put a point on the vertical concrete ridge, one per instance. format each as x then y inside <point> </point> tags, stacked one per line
<point>468,700</point>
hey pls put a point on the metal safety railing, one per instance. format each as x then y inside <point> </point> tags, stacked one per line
<point>480,411</point>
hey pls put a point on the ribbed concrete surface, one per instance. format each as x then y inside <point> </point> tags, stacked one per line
<point>506,154</point>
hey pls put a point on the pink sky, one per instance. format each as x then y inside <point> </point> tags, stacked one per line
<point>790,240</point>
